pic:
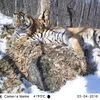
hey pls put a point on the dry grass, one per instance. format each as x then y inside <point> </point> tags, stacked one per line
<point>49,71</point>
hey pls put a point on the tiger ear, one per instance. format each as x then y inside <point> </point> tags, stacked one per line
<point>22,13</point>
<point>46,14</point>
<point>14,14</point>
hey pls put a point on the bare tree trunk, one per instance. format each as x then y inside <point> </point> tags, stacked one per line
<point>82,13</point>
<point>42,6</point>
<point>15,6</point>
<point>25,6</point>
<point>75,13</point>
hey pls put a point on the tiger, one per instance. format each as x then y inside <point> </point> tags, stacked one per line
<point>24,23</point>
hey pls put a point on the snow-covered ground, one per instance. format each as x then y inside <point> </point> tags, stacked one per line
<point>5,19</point>
<point>81,85</point>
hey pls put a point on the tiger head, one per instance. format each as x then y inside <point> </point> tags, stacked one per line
<point>21,21</point>
<point>97,37</point>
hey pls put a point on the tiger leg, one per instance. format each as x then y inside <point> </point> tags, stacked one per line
<point>74,43</point>
<point>78,49</point>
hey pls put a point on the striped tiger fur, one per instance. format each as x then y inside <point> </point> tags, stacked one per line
<point>57,34</point>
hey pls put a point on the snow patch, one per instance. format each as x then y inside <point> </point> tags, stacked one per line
<point>4,20</point>
<point>93,83</point>
<point>2,47</point>
<point>2,79</point>
<point>96,58</point>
